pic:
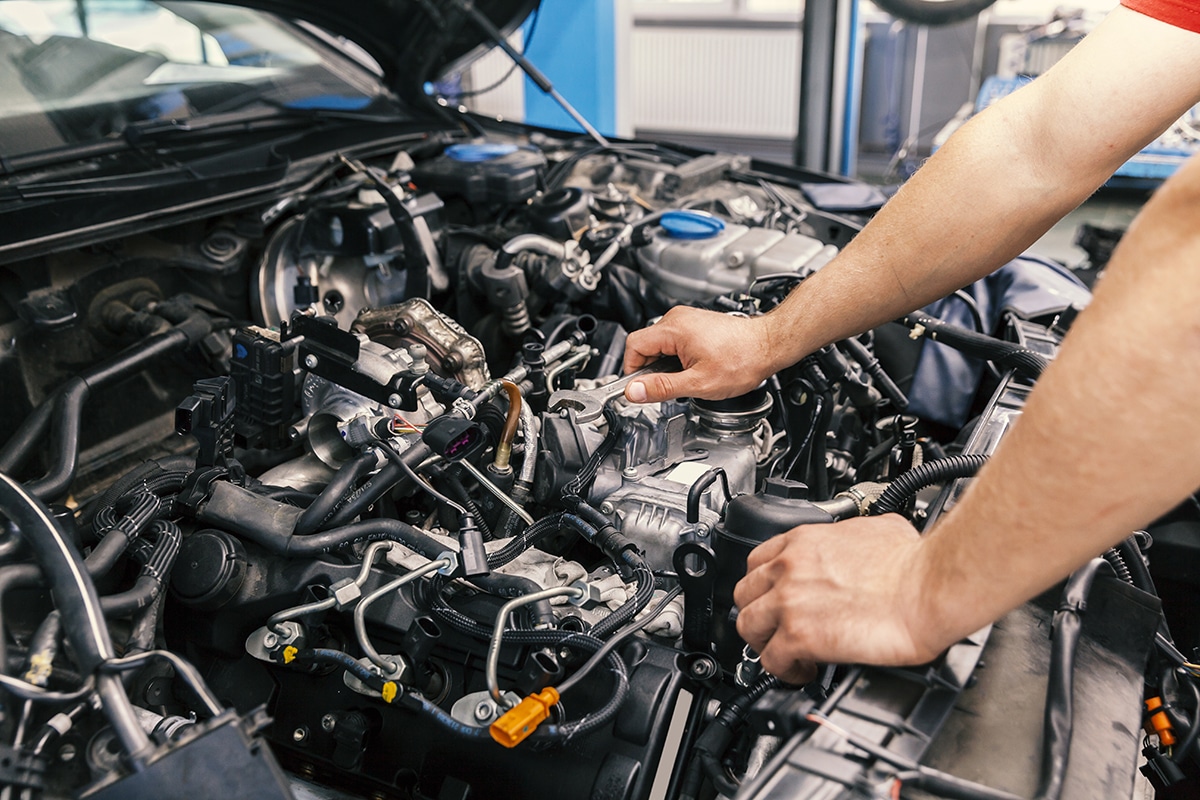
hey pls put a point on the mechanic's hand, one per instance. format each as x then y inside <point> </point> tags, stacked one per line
<point>842,593</point>
<point>722,355</point>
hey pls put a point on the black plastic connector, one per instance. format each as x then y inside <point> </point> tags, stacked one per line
<point>454,438</point>
<point>471,554</point>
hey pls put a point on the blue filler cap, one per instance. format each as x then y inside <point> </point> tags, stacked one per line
<point>474,153</point>
<point>690,224</point>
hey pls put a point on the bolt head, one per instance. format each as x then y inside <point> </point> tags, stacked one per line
<point>300,734</point>
<point>311,361</point>
<point>394,400</point>
<point>329,722</point>
<point>67,753</point>
<point>606,507</point>
<point>270,640</point>
<point>483,711</point>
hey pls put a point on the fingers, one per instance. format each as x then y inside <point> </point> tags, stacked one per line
<point>767,551</point>
<point>781,653</point>
<point>778,659</point>
<point>664,386</point>
<point>758,622</point>
<point>646,345</point>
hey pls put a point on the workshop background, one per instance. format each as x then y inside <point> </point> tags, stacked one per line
<point>729,75</point>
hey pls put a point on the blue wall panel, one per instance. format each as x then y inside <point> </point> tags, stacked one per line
<point>574,45</point>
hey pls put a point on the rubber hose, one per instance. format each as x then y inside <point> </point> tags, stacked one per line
<point>152,577</point>
<point>928,474</point>
<point>334,494</point>
<point>969,342</point>
<point>68,407</point>
<point>883,381</point>
<point>76,599</point>
<point>1114,559</point>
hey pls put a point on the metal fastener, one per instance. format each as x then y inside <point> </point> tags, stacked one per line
<point>394,400</point>
<point>329,722</point>
<point>300,734</point>
<point>311,361</point>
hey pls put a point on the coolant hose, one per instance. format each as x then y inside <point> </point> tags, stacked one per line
<point>928,474</point>
<point>334,493</point>
<point>67,406</point>
<point>1005,354</point>
<point>76,599</point>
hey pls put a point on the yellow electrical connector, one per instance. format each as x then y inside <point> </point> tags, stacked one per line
<point>389,691</point>
<point>522,720</point>
<point>289,654</point>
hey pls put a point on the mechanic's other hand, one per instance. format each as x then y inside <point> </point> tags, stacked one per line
<point>843,593</point>
<point>722,355</point>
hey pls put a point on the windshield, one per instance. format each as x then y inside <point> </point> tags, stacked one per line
<point>77,71</point>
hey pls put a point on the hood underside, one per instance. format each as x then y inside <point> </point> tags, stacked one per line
<point>413,40</point>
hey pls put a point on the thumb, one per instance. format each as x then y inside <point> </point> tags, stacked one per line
<point>663,386</point>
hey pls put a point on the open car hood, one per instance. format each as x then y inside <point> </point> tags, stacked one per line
<point>413,40</point>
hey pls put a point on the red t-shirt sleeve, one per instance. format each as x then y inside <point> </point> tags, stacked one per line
<point>1180,13</point>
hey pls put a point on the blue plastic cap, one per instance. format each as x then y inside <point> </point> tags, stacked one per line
<point>690,224</point>
<point>474,153</point>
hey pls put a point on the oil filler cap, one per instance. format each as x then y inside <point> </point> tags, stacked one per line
<point>690,224</point>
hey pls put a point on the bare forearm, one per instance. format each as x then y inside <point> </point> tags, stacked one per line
<point>997,185</point>
<point>1108,441</point>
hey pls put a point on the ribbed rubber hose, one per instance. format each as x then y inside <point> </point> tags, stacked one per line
<point>971,343</point>
<point>928,474</point>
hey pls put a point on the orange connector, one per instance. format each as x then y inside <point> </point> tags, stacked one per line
<point>1159,723</point>
<point>516,725</point>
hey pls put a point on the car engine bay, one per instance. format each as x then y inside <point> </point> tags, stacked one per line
<point>336,494</point>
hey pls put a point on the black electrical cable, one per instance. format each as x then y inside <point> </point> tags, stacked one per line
<point>973,307</point>
<point>1189,739</point>
<point>455,487</point>
<point>616,640</point>
<point>642,595</point>
<point>578,486</point>
<point>153,576</point>
<point>76,599</point>
<point>712,743</point>
<point>817,470</point>
<point>927,474</point>
<point>818,409</point>
<point>395,458</point>
<point>528,538</point>
<point>116,533</point>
